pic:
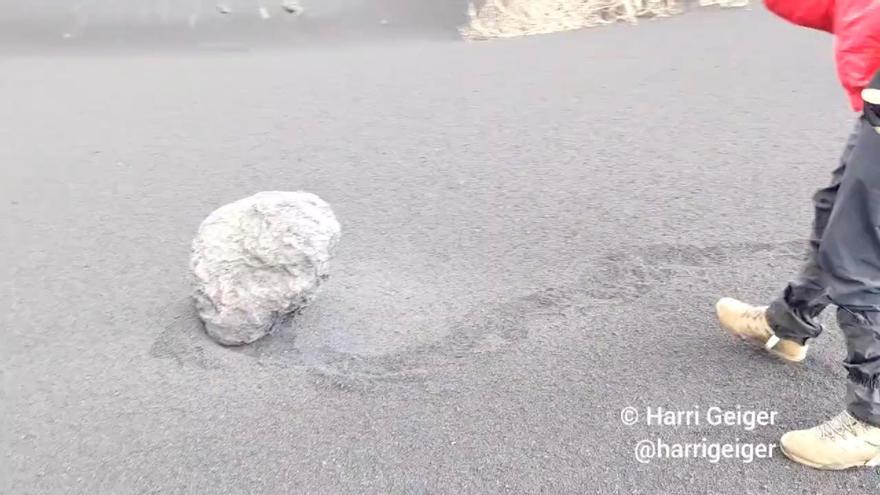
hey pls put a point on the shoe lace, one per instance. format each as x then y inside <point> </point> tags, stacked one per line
<point>842,427</point>
<point>755,316</point>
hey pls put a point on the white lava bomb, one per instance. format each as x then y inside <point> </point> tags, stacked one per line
<point>260,260</point>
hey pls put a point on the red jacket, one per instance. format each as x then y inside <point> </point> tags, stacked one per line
<point>856,28</point>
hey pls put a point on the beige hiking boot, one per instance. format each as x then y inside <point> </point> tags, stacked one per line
<point>750,323</point>
<point>841,443</point>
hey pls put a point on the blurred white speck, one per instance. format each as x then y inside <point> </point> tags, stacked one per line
<point>264,13</point>
<point>223,9</point>
<point>67,36</point>
<point>292,7</point>
<point>384,22</point>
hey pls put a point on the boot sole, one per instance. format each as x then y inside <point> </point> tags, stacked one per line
<point>757,343</point>
<point>785,357</point>
<point>830,467</point>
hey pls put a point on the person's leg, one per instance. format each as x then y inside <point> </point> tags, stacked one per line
<point>849,257</point>
<point>792,316</point>
<point>785,326</point>
<point>862,330</point>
